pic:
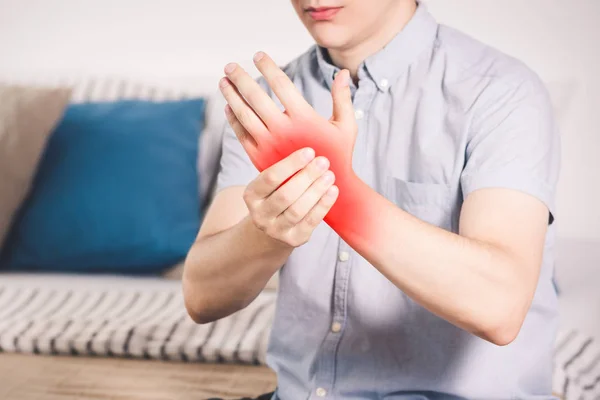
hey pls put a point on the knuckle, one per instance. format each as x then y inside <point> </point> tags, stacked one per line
<point>324,187</point>
<point>248,196</point>
<point>282,197</point>
<point>312,220</point>
<point>244,117</point>
<point>293,215</point>
<point>261,224</point>
<point>314,173</point>
<point>270,177</point>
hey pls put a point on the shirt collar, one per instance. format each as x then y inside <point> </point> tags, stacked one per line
<point>386,66</point>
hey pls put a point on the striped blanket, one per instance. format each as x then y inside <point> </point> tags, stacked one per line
<point>146,318</point>
<point>126,317</point>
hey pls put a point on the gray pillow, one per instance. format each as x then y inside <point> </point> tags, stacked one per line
<point>28,116</point>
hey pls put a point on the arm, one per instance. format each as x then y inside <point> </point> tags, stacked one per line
<point>214,285</point>
<point>482,279</point>
<point>249,232</point>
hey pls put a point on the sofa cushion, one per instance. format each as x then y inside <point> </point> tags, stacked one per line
<point>117,191</point>
<point>27,117</point>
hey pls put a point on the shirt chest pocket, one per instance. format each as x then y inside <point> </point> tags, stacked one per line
<point>429,202</point>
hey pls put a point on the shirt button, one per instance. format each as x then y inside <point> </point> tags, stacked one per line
<point>321,392</point>
<point>359,114</point>
<point>384,83</point>
<point>336,327</point>
<point>343,256</point>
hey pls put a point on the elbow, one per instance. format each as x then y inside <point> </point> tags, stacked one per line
<point>502,333</point>
<point>503,316</point>
<point>501,324</point>
<point>198,314</point>
<point>197,307</point>
<point>204,308</point>
<point>201,311</point>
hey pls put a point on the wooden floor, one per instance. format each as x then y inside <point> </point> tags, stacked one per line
<point>27,377</point>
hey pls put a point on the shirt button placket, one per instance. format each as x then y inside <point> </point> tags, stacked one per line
<point>336,327</point>
<point>343,256</point>
<point>325,377</point>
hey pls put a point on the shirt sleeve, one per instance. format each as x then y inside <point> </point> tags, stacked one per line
<point>514,143</point>
<point>236,167</point>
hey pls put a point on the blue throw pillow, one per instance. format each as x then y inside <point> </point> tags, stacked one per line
<point>116,191</point>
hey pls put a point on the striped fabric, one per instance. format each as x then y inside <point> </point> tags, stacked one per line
<point>146,318</point>
<point>111,88</point>
<point>124,317</point>
<point>577,366</point>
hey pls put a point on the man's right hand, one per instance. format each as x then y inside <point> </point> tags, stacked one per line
<point>288,200</point>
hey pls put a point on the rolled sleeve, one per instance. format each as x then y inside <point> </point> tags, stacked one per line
<point>514,143</point>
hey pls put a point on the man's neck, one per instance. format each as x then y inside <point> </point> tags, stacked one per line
<point>352,57</point>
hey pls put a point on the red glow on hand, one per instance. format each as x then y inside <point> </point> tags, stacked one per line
<point>269,136</point>
<point>351,217</point>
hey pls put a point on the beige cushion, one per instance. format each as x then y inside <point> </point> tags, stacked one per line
<point>27,117</point>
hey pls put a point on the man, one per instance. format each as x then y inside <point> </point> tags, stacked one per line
<point>432,276</point>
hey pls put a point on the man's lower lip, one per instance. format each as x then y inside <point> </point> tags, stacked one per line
<point>323,15</point>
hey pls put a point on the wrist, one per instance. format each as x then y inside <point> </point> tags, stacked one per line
<point>354,216</point>
<point>267,244</point>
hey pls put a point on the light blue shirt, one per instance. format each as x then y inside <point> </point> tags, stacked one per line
<point>440,115</point>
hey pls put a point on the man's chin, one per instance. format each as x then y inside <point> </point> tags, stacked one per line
<point>329,37</point>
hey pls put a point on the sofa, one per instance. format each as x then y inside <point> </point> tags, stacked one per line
<point>126,336</point>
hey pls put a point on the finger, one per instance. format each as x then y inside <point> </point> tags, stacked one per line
<point>246,140</point>
<point>273,177</point>
<point>293,189</point>
<point>343,111</point>
<point>245,115</point>
<point>281,85</point>
<point>318,212</point>
<point>255,96</point>
<point>307,201</point>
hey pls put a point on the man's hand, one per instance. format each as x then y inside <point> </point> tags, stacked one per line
<point>269,135</point>
<point>289,199</point>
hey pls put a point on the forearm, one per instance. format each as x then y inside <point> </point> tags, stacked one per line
<point>224,272</point>
<point>473,285</point>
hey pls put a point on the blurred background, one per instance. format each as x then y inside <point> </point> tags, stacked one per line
<point>191,40</point>
<point>181,46</point>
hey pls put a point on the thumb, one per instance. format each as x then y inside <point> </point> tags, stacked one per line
<point>343,111</point>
